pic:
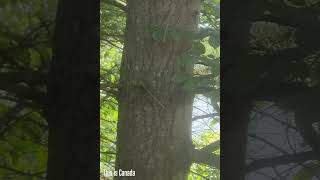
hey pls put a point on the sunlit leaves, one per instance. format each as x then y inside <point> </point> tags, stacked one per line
<point>108,121</point>
<point>112,25</point>
<point>201,171</point>
<point>112,30</point>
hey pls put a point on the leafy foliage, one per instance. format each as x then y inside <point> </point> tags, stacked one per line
<point>112,31</point>
<point>25,50</point>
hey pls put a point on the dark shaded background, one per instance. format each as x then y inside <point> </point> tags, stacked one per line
<point>270,90</point>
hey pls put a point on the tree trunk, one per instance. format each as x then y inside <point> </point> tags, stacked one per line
<point>154,127</point>
<point>235,112</point>
<point>73,93</point>
<point>238,82</point>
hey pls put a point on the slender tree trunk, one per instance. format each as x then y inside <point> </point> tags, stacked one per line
<point>73,92</point>
<point>238,80</point>
<point>154,128</point>
<point>235,112</point>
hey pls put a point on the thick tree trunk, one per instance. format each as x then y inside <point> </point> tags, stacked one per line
<point>154,128</point>
<point>73,92</point>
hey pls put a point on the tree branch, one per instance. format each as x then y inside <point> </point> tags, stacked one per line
<point>198,174</point>
<point>205,116</point>
<point>211,147</point>
<point>116,4</point>
<point>280,160</point>
<point>207,158</point>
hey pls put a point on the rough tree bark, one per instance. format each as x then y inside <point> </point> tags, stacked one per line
<point>154,127</point>
<point>73,93</point>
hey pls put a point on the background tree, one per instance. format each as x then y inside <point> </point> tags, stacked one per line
<point>72,90</point>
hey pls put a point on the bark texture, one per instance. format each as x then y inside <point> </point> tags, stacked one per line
<point>154,127</point>
<point>73,93</point>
